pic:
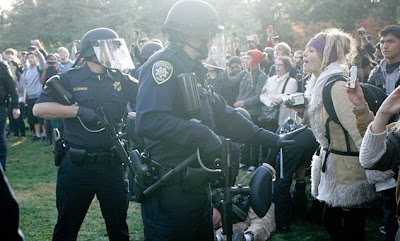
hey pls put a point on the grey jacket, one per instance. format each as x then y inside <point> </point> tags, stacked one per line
<point>249,91</point>
<point>379,78</point>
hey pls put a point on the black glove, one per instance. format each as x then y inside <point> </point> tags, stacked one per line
<point>282,142</point>
<point>212,149</point>
<point>87,115</point>
<point>285,139</point>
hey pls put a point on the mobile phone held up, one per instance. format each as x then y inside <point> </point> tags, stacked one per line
<point>250,38</point>
<point>34,41</point>
<point>353,77</point>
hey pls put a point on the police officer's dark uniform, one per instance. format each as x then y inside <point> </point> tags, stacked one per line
<point>90,167</point>
<point>7,90</point>
<point>176,212</point>
<point>9,211</point>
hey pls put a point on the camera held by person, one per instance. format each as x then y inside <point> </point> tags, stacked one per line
<point>361,31</point>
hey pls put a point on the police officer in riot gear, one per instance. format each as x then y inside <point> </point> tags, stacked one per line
<point>89,165</point>
<point>181,209</point>
<point>147,50</point>
<point>7,91</point>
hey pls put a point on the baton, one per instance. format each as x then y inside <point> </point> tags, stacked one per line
<point>169,175</point>
<point>227,201</point>
<point>281,163</point>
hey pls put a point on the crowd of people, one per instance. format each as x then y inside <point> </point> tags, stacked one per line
<point>30,69</point>
<point>353,159</point>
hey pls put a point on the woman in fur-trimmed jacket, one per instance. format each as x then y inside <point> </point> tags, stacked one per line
<point>338,179</point>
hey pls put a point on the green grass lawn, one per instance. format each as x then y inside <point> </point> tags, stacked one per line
<point>32,175</point>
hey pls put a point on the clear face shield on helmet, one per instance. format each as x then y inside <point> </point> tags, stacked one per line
<point>217,51</point>
<point>113,54</point>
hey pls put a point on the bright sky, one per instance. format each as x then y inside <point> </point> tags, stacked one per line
<point>6,4</point>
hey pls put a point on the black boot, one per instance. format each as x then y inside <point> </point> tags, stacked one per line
<point>299,198</point>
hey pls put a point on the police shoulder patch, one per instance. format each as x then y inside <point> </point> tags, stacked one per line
<point>162,71</point>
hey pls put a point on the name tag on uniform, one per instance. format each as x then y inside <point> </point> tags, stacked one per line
<point>79,88</point>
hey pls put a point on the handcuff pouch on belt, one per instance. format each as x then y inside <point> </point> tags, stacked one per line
<point>145,174</point>
<point>59,151</point>
<point>77,156</point>
<point>195,179</point>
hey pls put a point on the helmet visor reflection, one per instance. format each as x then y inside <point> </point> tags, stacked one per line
<point>217,52</point>
<point>113,54</point>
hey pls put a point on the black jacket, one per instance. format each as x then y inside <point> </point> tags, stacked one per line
<point>7,86</point>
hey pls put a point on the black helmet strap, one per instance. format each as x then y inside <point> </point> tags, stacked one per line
<point>81,53</point>
<point>202,49</point>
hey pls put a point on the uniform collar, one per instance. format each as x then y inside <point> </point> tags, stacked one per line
<point>186,59</point>
<point>195,66</point>
<point>86,73</point>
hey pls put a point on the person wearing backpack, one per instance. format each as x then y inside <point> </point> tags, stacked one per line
<point>338,179</point>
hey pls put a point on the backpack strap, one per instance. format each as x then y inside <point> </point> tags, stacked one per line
<point>328,104</point>
<point>284,86</point>
<point>256,77</point>
<point>39,70</point>
<point>327,97</point>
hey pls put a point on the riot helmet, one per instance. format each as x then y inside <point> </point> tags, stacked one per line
<point>148,49</point>
<point>192,18</point>
<point>110,50</point>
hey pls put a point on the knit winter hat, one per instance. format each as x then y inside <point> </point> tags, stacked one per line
<point>319,45</point>
<point>256,56</point>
